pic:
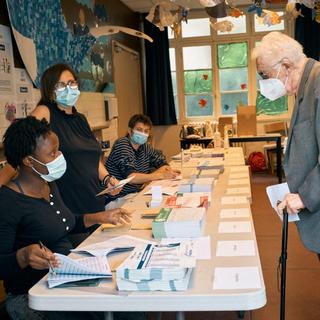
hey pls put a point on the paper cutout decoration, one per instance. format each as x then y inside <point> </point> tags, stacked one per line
<point>257,6</point>
<point>222,26</point>
<point>167,14</point>
<point>209,3</point>
<point>218,11</point>
<point>107,30</point>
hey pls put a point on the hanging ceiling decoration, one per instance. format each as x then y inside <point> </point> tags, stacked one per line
<point>168,13</point>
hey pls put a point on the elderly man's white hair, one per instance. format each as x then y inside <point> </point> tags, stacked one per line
<point>274,47</point>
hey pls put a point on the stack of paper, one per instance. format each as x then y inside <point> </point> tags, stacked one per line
<point>113,245</point>
<point>196,185</point>
<point>189,200</point>
<point>70,270</point>
<point>209,173</point>
<point>156,267</point>
<point>213,163</point>
<point>179,222</point>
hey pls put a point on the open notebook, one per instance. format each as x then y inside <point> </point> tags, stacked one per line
<point>71,270</point>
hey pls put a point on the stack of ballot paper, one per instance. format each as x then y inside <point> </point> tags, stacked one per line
<point>70,270</point>
<point>209,173</point>
<point>113,245</point>
<point>213,163</point>
<point>156,267</point>
<point>189,200</point>
<point>196,185</point>
<point>179,222</point>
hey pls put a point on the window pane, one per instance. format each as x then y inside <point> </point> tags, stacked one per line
<point>198,81</point>
<point>195,58</point>
<point>175,91</point>
<point>233,79</point>
<point>199,105</point>
<point>230,101</point>
<point>232,55</point>
<point>170,33</point>
<point>172,57</point>
<point>239,25</point>
<point>260,27</point>
<point>196,28</point>
<point>267,107</point>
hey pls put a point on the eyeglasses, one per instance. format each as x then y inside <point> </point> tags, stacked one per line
<point>61,86</point>
<point>262,75</point>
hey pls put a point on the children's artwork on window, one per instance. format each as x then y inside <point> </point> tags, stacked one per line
<point>271,108</point>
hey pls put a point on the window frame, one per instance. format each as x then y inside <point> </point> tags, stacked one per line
<point>251,37</point>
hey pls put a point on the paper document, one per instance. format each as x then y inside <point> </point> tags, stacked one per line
<point>235,213</point>
<point>201,246</point>
<point>276,193</point>
<point>243,190</point>
<point>234,182</point>
<point>117,244</point>
<point>234,227</point>
<point>236,278</point>
<point>71,270</point>
<point>239,175</point>
<point>234,200</point>
<point>235,248</point>
<point>120,184</point>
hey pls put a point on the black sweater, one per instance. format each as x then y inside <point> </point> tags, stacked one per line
<point>26,220</point>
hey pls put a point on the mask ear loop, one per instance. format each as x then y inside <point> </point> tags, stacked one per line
<point>286,75</point>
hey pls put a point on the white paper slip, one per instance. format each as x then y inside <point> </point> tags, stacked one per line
<point>234,227</point>
<point>233,182</point>
<point>239,175</point>
<point>235,248</point>
<point>117,244</point>
<point>236,278</point>
<point>201,245</point>
<point>120,184</point>
<point>234,200</point>
<point>276,193</point>
<point>243,190</point>
<point>235,213</point>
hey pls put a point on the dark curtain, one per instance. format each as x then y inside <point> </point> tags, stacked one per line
<point>159,92</point>
<point>307,32</point>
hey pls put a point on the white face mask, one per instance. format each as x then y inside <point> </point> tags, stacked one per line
<point>273,88</point>
<point>56,168</point>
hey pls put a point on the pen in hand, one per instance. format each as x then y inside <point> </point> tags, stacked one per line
<point>51,269</point>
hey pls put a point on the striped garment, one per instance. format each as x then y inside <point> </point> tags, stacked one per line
<point>124,160</point>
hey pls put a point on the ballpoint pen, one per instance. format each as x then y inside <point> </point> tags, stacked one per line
<point>51,269</point>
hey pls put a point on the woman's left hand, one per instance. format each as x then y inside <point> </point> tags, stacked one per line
<point>116,216</point>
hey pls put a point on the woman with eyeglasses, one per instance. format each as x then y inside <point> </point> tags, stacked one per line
<point>85,175</point>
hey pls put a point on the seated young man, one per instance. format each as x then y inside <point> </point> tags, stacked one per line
<point>132,155</point>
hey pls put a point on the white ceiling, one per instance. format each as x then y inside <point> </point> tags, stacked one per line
<point>145,5</point>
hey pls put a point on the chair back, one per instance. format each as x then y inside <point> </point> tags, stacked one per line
<point>246,121</point>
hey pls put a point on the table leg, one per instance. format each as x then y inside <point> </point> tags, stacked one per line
<point>180,315</point>
<point>279,160</point>
<point>108,315</point>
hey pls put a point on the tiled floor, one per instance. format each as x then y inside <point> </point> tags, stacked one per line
<point>303,267</point>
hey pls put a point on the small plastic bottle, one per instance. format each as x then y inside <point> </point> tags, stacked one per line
<point>217,138</point>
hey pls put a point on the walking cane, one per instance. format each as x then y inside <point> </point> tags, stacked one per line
<point>282,263</point>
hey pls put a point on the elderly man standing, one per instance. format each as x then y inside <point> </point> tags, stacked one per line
<point>286,70</point>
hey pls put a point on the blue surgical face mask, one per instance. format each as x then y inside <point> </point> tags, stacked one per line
<point>138,137</point>
<point>68,97</point>
<point>56,168</point>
